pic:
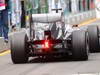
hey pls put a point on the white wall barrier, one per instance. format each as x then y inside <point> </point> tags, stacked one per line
<point>80,17</point>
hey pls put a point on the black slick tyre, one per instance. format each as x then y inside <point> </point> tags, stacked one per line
<point>18,48</point>
<point>79,45</point>
<point>93,34</point>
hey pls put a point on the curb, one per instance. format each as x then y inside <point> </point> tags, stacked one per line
<point>88,22</point>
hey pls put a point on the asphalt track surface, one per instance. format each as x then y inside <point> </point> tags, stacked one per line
<point>56,66</point>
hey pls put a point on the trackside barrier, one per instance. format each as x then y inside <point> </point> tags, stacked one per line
<point>71,19</point>
<point>80,17</point>
<point>3,46</point>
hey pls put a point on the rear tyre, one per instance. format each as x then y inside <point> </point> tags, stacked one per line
<point>79,45</point>
<point>93,38</point>
<point>19,48</point>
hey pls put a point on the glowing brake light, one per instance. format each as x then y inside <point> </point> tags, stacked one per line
<point>46,44</point>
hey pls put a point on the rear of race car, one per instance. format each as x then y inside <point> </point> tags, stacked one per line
<point>57,40</point>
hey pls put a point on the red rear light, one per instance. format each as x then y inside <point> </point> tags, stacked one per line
<point>46,44</point>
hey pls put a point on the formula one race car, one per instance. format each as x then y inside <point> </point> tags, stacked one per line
<point>49,36</point>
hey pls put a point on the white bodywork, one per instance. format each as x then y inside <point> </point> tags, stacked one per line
<point>46,18</point>
<point>44,22</point>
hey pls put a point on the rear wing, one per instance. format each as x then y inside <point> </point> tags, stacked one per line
<point>46,18</point>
